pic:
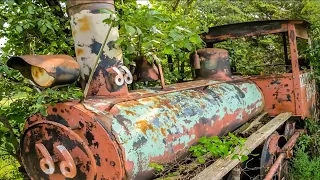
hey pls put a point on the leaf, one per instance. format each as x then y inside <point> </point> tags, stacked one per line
<point>8,147</point>
<point>9,20</point>
<point>195,39</point>
<point>175,35</point>
<point>26,26</point>
<point>30,10</point>
<point>43,29</point>
<point>130,49</point>
<point>3,129</point>
<point>235,156</point>
<point>232,136</point>
<point>43,111</point>
<point>203,139</point>
<point>244,158</point>
<point>131,30</point>
<point>40,99</point>
<point>19,28</point>
<point>255,155</point>
<point>139,32</point>
<point>107,21</point>
<point>201,160</point>
<point>48,24</point>
<point>154,12</point>
<point>40,22</point>
<point>17,118</point>
<point>187,45</point>
<point>168,50</point>
<point>216,139</point>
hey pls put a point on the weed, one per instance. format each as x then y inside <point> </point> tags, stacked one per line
<point>218,147</point>
<point>306,163</point>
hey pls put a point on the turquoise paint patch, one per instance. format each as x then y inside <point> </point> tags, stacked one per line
<point>182,112</point>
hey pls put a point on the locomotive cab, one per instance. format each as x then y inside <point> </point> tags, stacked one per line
<point>294,90</point>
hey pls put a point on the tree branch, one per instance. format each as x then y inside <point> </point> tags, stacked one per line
<point>56,8</point>
<point>186,10</point>
<point>14,141</point>
<point>176,5</point>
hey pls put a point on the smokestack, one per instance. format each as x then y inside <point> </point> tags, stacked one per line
<point>89,32</point>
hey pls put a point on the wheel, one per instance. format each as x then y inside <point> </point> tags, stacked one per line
<point>269,153</point>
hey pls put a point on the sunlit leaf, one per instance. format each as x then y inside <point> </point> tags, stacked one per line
<point>168,50</point>
<point>19,28</point>
<point>130,29</point>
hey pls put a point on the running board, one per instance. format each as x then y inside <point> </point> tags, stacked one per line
<point>222,166</point>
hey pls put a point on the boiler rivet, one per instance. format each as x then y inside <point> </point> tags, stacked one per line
<point>112,163</point>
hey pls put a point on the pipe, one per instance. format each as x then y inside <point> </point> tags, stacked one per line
<point>89,32</point>
<point>287,147</point>
<point>236,173</point>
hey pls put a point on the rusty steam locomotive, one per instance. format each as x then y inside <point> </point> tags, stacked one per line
<point>115,134</point>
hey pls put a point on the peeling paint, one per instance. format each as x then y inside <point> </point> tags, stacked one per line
<point>180,119</point>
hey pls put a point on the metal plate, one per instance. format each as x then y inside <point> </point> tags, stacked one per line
<point>70,157</point>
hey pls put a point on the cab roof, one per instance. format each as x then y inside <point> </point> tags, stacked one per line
<point>254,28</point>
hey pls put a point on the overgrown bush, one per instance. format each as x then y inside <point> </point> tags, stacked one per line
<point>306,161</point>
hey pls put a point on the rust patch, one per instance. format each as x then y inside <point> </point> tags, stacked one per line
<point>163,131</point>
<point>84,23</point>
<point>144,125</point>
<point>130,113</point>
<point>79,51</point>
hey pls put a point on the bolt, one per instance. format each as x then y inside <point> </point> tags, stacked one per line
<point>112,163</point>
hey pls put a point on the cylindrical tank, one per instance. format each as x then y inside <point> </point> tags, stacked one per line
<point>105,138</point>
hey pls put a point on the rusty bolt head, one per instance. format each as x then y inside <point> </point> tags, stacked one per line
<point>112,163</point>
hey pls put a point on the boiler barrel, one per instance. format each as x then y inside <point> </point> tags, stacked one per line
<point>120,139</point>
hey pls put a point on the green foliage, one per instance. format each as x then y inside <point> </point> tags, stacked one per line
<point>313,54</point>
<point>30,27</point>
<point>8,168</point>
<point>305,167</point>
<point>306,162</point>
<point>19,100</point>
<point>218,147</point>
<point>157,167</point>
<point>155,32</point>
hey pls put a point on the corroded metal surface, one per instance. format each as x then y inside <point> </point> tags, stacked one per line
<point>308,93</point>
<point>271,148</point>
<point>123,140</point>
<point>114,134</point>
<point>295,68</point>
<point>278,92</point>
<point>173,122</point>
<point>89,32</point>
<point>47,70</point>
<point>248,29</point>
<point>145,71</point>
<point>91,144</point>
<point>213,63</point>
<point>286,152</point>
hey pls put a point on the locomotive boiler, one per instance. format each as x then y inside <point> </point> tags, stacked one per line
<point>116,134</point>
